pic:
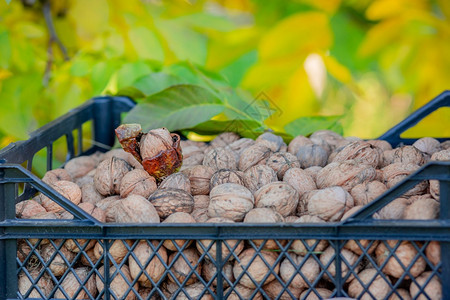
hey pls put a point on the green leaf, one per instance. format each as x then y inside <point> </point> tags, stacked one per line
<point>308,125</point>
<point>128,73</point>
<point>177,107</point>
<point>207,21</point>
<point>131,92</point>
<point>156,82</point>
<point>245,128</point>
<point>5,49</point>
<point>146,44</point>
<point>236,70</point>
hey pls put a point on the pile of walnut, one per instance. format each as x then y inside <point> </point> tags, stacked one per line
<point>323,178</point>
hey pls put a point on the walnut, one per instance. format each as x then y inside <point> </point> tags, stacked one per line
<point>265,215</point>
<point>346,174</point>
<point>279,196</point>
<point>311,295</point>
<point>177,181</point>
<point>273,142</point>
<point>224,139</point>
<point>71,285</point>
<point>393,210</point>
<point>326,137</point>
<point>67,189</point>
<point>275,290</point>
<point>108,206</point>
<point>44,284</point>
<point>226,176</point>
<point>117,250</point>
<point>302,247</point>
<point>182,267</point>
<point>313,171</point>
<point>28,208</point>
<point>136,209</point>
<point>178,217</point>
<point>297,142</point>
<point>369,284</point>
<point>118,286</point>
<point>137,182</point>
<point>80,166</point>
<point>220,158</point>
<point>189,143</point>
<point>364,193</point>
<point>360,151</point>
<point>154,266</point>
<point>209,272</point>
<point>428,145</point>
<point>253,155</point>
<point>299,180</point>
<point>311,155</point>
<point>240,291</point>
<point>396,172</point>
<point>55,175</point>
<point>86,179</point>
<point>424,286</point>
<point>434,184</point>
<point>109,174</point>
<point>201,201</point>
<point>170,200</point>
<point>200,177</point>
<point>281,162</point>
<point>192,156</point>
<point>351,259</point>
<point>381,144</point>
<point>289,268</point>
<point>405,155</point>
<point>422,208</point>
<point>56,264</point>
<point>200,215</point>
<point>329,204</point>
<point>433,252</point>
<point>445,145</point>
<point>89,194</point>
<point>257,176</point>
<point>120,153</point>
<point>352,245</point>
<point>240,145</point>
<point>230,200</point>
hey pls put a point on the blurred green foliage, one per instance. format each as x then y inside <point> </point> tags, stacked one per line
<point>371,61</point>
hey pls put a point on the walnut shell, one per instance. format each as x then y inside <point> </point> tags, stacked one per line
<point>329,204</point>
<point>94,211</point>
<point>67,189</point>
<point>119,284</point>
<point>443,155</point>
<point>70,285</point>
<point>319,293</point>
<point>422,208</point>
<point>80,166</point>
<point>200,214</point>
<point>275,290</point>
<point>381,144</point>
<point>88,254</point>
<point>424,288</point>
<point>273,142</point>
<point>406,253</point>
<point>201,201</point>
<point>360,151</point>
<point>55,175</point>
<point>86,179</point>
<point>253,155</point>
<point>209,272</point>
<point>331,138</point>
<point>194,291</point>
<point>368,285</point>
<point>256,268</point>
<point>257,176</point>
<point>137,182</point>
<point>44,284</point>
<point>120,153</point>
<point>155,141</point>
<point>28,208</point>
<point>396,172</point>
<point>433,252</point>
<point>192,156</point>
<point>393,210</point>
<point>297,142</point>
<point>177,181</point>
<point>330,255</point>
<point>400,294</point>
<point>240,291</point>
<point>117,250</point>
<point>109,174</point>
<point>170,200</point>
<point>240,145</point>
<point>230,200</point>
<point>154,265</point>
<point>301,181</point>
<point>224,139</point>
<point>312,155</point>
<point>226,176</point>
<point>309,245</point>
<point>136,209</point>
<point>220,158</point>
<point>427,145</point>
<point>313,171</point>
<point>89,194</point>
<point>265,215</point>
<point>178,217</point>
<point>279,196</point>
<point>405,155</point>
<point>56,264</point>
<point>280,162</point>
<point>346,174</point>
<point>364,193</point>
<point>182,267</point>
<point>108,205</point>
<point>200,176</point>
<point>309,269</point>
<point>357,247</point>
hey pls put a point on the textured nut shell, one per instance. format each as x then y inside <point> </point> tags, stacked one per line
<point>119,284</point>
<point>351,258</point>
<point>204,244</point>
<point>422,208</point>
<point>178,217</point>
<point>89,194</point>
<point>352,245</point>
<point>313,245</point>
<point>323,293</point>
<point>57,264</point>
<point>209,272</point>
<point>120,153</point>
<point>109,174</point>
<point>346,174</point>
<point>72,246</point>
<point>433,252</point>
<point>407,155</point>
<point>253,155</point>
<point>427,145</point>
<point>275,290</point>
<point>270,140</point>
<point>309,269</point>
<point>170,200</point>
<point>401,294</point>
<point>360,151</point>
<point>220,158</point>
<point>200,215</point>
<point>301,181</point>
<point>199,176</point>
<point>297,142</point>
<point>394,210</point>
<point>67,189</point>
<point>257,176</point>
<point>194,291</point>
<point>443,155</point>
<point>378,288</point>
<point>117,250</point>
<point>71,285</point>
<point>224,139</point>
<point>381,144</point>
<point>265,215</point>
<point>155,141</point>
<point>201,201</point>
<point>137,182</point>
<point>328,136</point>
<point>364,193</point>
<point>109,206</point>
<point>28,208</point>
<point>181,269</point>
<point>44,284</point>
<point>279,196</point>
<point>192,156</point>
<point>155,268</point>
<point>226,176</point>
<point>80,166</point>
<point>312,155</point>
<point>313,171</point>
<point>329,204</point>
<point>406,253</point>
<point>244,292</point>
<point>230,201</point>
<point>256,269</point>
<point>432,289</point>
<point>394,173</point>
<point>280,162</point>
<point>55,175</point>
<point>87,179</point>
<point>240,145</point>
<point>136,209</point>
<point>176,181</point>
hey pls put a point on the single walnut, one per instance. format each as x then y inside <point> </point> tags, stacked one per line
<point>137,182</point>
<point>71,285</point>
<point>94,211</point>
<point>257,176</point>
<point>396,172</point>
<point>422,208</point>
<point>428,145</point>
<point>80,166</point>
<point>281,162</point>
<point>28,208</point>
<point>326,138</point>
<point>178,217</point>
<point>220,158</point>
<point>433,252</point>
<point>109,174</point>
<point>44,284</point>
<point>275,290</point>
<point>369,285</point>
<point>230,200</point>
<point>313,171</point>
<point>393,210</point>
<point>360,151</point>
<point>200,215</point>
<point>86,179</point>
<point>192,156</point>
<point>183,266</point>
<point>89,194</point>
<point>116,250</point>
<point>329,204</point>
<point>108,206</point>
<point>201,201</point>
<point>346,174</point>
<point>299,180</point>
<point>265,215</point>
<point>312,155</point>
<point>351,259</point>
<point>364,193</point>
<point>405,155</point>
<point>273,142</point>
<point>224,139</point>
<point>445,145</point>
<point>136,209</point>
<point>256,154</point>
<point>279,196</point>
<point>309,269</point>
<point>209,272</point>
<point>56,264</point>
<point>120,153</point>
<point>240,145</point>
<point>302,247</point>
<point>176,181</point>
<point>67,189</point>
<point>55,175</point>
<point>170,200</point>
<point>423,285</point>
<point>189,143</point>
<point>226,176</point>
<point>381,144</point>
<point>119,284</point>
<point>297,142</point>
<point>200,177</point>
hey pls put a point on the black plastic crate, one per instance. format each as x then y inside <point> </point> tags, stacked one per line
<point>222,240</point>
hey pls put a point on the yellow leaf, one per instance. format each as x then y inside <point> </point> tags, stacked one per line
<point>5,141</point>
<point>337,70</point>
<point>301,33</point>
<point>381,36</point>
<point>4,74</point>
<point>90,17</point>
<point>382,9</point>
<point>329,6</point>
